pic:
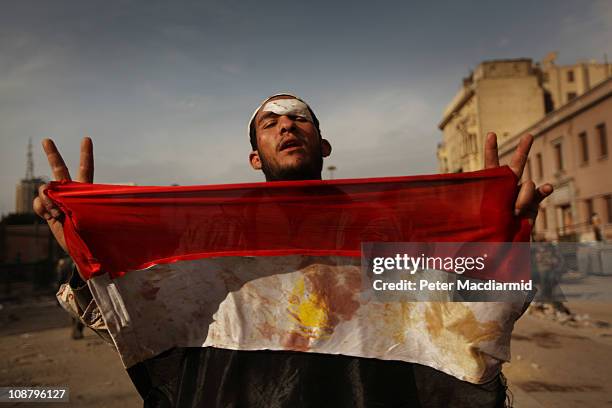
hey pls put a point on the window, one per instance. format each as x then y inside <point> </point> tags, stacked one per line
<point>471,143</point>
<point>588,207</point>
<point>543,218</point>
<point>608,199</point>
<point>584,147</point>
<point>466,145</point>
<point>559,156</point>
<point>603,139</point>
<point>549,105</point>
<point>571,95</point>
<point>540,166</point>
<point>570,76</point>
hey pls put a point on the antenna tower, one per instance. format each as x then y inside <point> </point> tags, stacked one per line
<point>30,163</point>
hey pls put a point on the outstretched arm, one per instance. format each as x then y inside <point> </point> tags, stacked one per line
<point>43,206</point>
<point>73,295</point>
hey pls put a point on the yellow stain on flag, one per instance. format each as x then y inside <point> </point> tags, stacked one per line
<point>309,311</point>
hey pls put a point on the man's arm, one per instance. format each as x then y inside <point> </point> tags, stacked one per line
<point>74,295</point>
<point>43,206</point>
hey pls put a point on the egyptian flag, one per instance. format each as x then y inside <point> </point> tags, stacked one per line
<point>277,266</point>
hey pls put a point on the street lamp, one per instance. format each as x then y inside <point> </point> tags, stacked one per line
<point>331,170</point>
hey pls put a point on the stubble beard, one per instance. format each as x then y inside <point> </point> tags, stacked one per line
<point>307,170</point>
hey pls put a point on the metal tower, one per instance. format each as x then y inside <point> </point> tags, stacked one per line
<point>30,162</point>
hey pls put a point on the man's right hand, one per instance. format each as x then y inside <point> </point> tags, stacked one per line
<point>43,206</point>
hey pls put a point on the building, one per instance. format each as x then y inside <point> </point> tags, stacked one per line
<point>507,96</point>
<point>28,251</point>
<point>571,150</point>
<point>504,96</point>
<point>26,239</point>
<point>26,191</point>
<point>564,83</point>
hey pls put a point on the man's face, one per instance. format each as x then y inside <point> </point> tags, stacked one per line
<point>289,146</point>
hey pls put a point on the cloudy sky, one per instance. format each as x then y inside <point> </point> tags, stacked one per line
<point>165,88</point>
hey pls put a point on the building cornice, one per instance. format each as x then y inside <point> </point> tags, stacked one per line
<point>455,106</point>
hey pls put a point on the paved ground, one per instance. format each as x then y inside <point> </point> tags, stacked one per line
<point>554,364</point>
<point>563,365</point>
<point>36,349</point>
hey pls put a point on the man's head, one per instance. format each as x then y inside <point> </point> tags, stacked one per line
<point>286,140</point>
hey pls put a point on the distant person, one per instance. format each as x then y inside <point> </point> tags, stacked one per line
<point>547,267</point>
<point>597,227</point>
<point>548,264</point>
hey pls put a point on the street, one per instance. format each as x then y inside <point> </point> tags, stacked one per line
<point>556,362</point>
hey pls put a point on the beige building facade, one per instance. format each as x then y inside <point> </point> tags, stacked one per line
<point>501,95</point>
<point>562,83</point>
<point>506,96</point>
<point>25,192</point>
<point>572,151</point>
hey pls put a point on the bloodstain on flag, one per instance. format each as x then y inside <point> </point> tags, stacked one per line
<point>453,325</point>
<point>296,341</point>
<point>398,319</point>
<point>320,300</point>
<point>267,330</point>
<point>336,290</point>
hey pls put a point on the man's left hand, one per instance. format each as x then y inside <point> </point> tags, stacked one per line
<point>529,197</point>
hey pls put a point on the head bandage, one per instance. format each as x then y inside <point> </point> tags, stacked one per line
<point>288,107</point>
<point>292,106</point>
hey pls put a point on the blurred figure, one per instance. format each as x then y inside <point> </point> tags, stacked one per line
<point>63,271</point>
<point>596,224</point>
<point>547,267</point>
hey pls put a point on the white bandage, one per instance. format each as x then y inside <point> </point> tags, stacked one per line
<point>303,107</point>
<point>288,107</point>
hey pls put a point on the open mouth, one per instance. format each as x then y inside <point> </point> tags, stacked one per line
<point>290,143</point>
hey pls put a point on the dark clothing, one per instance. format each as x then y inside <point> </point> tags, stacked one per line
<point>598,234</point>
<point>211,377</point>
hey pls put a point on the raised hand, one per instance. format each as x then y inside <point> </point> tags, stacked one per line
<point>529,197</point>
<point>43,206</point>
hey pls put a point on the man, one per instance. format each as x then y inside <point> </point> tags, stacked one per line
<point>287,145</point>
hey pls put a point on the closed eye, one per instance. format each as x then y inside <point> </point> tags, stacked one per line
<point>269,123</point>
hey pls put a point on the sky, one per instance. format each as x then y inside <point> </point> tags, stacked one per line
<point>165,89</point>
